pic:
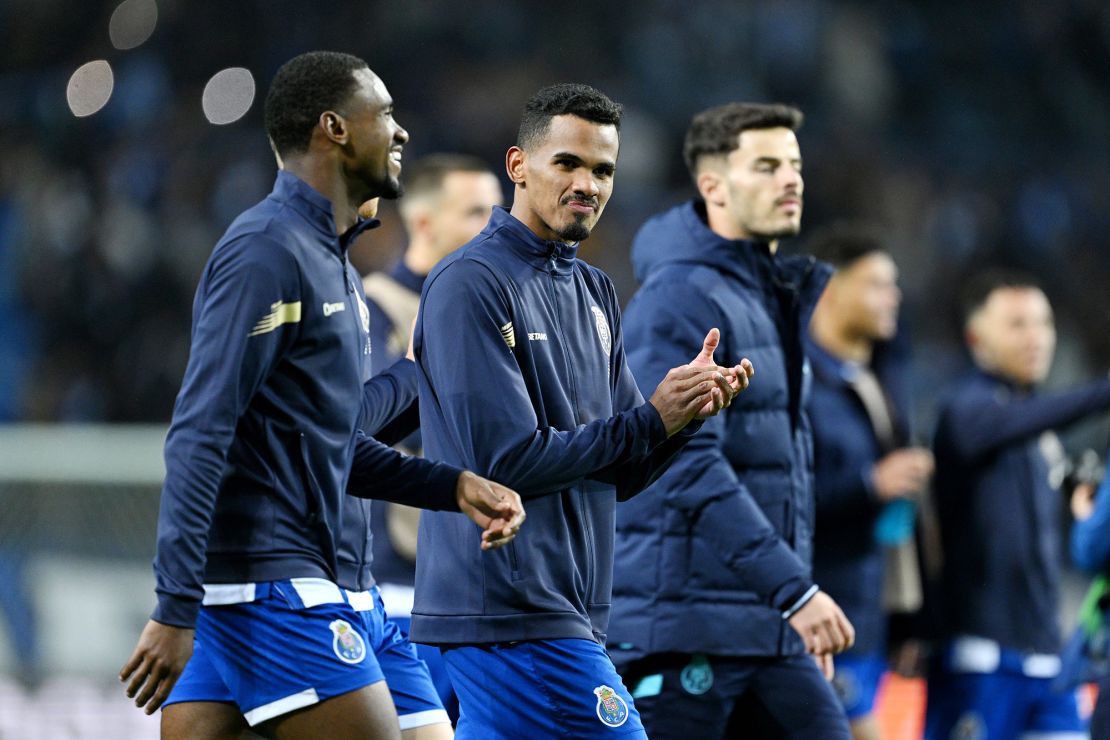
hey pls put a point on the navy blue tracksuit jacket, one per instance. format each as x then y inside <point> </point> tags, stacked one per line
<point>847,559</point>
<point>710,557</point>
<point>264,439</point>
<point>999,513</point>
<point>523,379</point>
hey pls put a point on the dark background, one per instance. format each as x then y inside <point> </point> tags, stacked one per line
<point>974,133</point>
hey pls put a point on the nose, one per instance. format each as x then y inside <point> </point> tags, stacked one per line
<point>400,135</point>
<point>791,179</point>
<point>586,184</point>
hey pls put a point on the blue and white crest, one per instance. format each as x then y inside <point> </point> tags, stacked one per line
<point>611,709</point>
<point>347,642</point>
<point>697,676</point>
<point>602,326</point>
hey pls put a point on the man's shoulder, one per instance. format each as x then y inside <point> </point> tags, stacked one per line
<point>468,269</point>
<point>264,227</point>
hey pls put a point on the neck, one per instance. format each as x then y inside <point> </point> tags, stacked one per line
<point>421,257</point>
<point>838,341</point>
<point>720,224</point>
<point>325,178</point>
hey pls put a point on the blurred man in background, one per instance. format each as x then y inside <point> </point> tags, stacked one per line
<point>265,443</point>
<point>1090,552</point>
<point>866,474</point>
<point>714,605</point>
<point>1000,515</point>
<point>523,374</point>
<point>448,199</point>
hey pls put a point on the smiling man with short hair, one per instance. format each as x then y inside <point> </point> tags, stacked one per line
<point>523,375</point>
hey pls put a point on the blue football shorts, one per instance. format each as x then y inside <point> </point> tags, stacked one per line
<point>541,688</point>
<point>998,699</point>
<point>409,679</point>
<point>856,682</point>
<point>272,648</point>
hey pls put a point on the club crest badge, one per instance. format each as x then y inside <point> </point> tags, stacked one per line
<point>364,314</point>
<point>697,676</point>
<point>602,325</point>
<point>611,709</point>
<point>346,642</point>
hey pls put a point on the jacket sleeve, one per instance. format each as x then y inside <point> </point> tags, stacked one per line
<point>665,328</point>
<point>633,476</point>
<point>843,488</point>
<point>484,404</point>
<point>390,411</point>
<point>976,426</point>
<point>1090,538</point>
<point>381,472</point>
<point>245,317</point>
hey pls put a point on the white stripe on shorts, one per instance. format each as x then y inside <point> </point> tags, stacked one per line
<point>420,719</point>
<point>305,698</point>
<point>221,594</point>
<point>316,591</point>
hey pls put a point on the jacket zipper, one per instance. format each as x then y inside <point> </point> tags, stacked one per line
<point>582,503</point>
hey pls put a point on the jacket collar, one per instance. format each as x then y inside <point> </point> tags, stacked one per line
<point>407,278</point>
<point>828,366</point>
<point>314,208</point>
<point>549,256</point>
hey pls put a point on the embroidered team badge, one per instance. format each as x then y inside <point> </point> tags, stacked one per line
<point>346,642</point>
<point>697,676</point>
<point>602,325</point>
<point>364,314</point>
<point>611,709</point>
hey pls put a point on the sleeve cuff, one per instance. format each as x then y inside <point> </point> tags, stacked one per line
<point>800,602</point>
<point>656,428</point>
<point>443,487</point>
<point>176,611</point>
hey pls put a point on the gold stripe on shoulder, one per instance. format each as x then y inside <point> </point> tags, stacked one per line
<point>280,313</point>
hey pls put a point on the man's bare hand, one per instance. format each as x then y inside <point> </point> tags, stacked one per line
<point>493,507</point>
<point>826,666</point>
<point>1083,501</point>
<point>738,377</point>
<point>902,473</point>
<point>158,660</point>
<point>686,391</point>
<point>823,626</point>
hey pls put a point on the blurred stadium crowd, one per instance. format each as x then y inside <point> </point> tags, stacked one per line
<point>973,133</point>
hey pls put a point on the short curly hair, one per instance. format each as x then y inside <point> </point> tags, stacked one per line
<point>304,87</point>
<point>717,130</point>
<point>565,98</point>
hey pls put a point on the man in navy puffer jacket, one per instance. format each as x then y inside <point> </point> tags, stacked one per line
<point>712,586</point>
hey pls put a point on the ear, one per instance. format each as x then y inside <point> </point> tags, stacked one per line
<point>334,127</point>
<point>711,187</point>
<point>421,222</point>
<point>514,165</point>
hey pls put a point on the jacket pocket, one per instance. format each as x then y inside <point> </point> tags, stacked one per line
<point>514,561</point>
<point>313,496</point>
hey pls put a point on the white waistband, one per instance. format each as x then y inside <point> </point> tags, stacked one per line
<point>311,591</point>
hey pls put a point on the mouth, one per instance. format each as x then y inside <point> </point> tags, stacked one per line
<point>581,206</point>
<point>789,201</point>
<point>395,157</point>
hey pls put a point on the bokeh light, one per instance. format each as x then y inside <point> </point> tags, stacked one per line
<point>89,88</point>
<point>228,95</point>
<point>132,23</point>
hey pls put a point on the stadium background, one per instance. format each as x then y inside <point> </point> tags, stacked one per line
<point>974,133</point>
